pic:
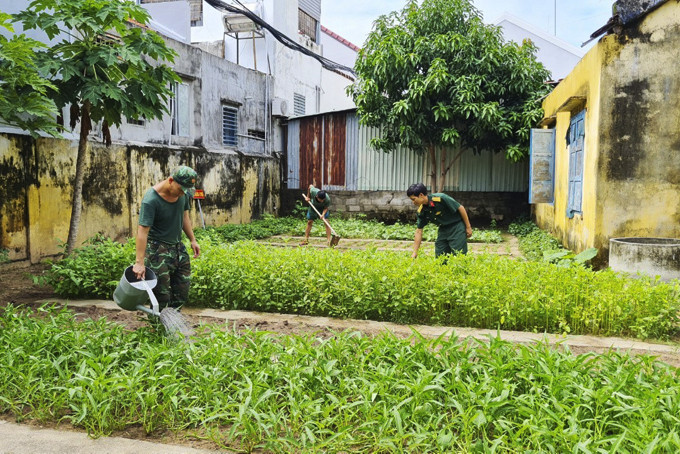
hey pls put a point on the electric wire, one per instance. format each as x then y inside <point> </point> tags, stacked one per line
<point>281,37</point>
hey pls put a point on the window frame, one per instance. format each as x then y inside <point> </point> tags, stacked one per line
<point>180,111</point>
<point>230,140</point>
<point>576,149</point>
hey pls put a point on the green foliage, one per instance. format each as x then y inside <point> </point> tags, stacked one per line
<point>537,244</point>
<point>263,228</point>
<point>482,291</point>
<point>434,74</point>
<point>4,255</point>
<point>300,209</point>
<point>256,391</point>
<point>92,271</point>
<point>113,68</point>
<point>346,228</point>
<point>24,93</point>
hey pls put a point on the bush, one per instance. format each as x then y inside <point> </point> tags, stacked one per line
<point>92,271</point>
<point>481,291</point>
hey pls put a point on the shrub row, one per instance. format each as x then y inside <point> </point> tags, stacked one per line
<point>346,228</point>
<point>482,291</point>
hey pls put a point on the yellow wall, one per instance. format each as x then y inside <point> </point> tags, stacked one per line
<point>631,180</point>
<point>576,233</point>
<point>35,204</point>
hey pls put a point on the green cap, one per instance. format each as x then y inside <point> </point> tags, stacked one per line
<point>185,177</point>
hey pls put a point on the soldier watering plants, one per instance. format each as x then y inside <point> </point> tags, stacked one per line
<point>163,216</point>
<point>444,211</point>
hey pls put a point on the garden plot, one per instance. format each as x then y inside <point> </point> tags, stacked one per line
<point>508,247</point>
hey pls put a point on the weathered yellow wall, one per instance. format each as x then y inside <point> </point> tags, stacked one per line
<point>13,228</point>
<point>631,181</point>
<point>640,129</point>
<point>577,233</point>
<point>35,204</point>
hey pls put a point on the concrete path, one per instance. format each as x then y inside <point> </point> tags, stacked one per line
<point>23,439</point>
<point>580,343</point>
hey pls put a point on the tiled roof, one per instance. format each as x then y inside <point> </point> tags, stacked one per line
<point>337,37</point>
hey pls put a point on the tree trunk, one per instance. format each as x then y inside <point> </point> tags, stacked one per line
<point>433,164</point>
<point>445,169</point>
<point>77,203</point>
<point>442,169</point>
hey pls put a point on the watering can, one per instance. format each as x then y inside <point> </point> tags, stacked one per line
<point>132,293</point>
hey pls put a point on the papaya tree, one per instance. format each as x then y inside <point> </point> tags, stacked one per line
<point>437,80</point>
<point>24,92</point>
<point>106,65</point>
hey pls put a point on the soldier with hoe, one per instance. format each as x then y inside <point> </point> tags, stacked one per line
<point>163,216</point>
<point>444,211</point>
<point>322,203</point>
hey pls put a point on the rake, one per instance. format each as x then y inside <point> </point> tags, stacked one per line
<point>335,238</point>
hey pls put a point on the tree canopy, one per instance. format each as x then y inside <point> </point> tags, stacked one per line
<point>105,65</point>
<point>435,77</point>
<point>24,93</point>
<point>108,60</point>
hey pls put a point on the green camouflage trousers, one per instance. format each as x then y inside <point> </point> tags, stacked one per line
<point>172,266</point>
<point>451,239</point>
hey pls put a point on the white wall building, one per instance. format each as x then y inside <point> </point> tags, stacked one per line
<point>558,56</point>
<point>300,84</point>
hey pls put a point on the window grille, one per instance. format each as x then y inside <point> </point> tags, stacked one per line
<point>307,25</point>
<point>229,126</point>
<point>299,104</point>
<point>576,147</point>
<point>132,121</point>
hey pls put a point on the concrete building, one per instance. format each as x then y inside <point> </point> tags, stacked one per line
<point>218,124</point>
<point>300,84</point>
<point>558,56</point>
<point>606,163</point>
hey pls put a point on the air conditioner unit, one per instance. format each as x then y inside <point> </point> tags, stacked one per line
<point>279,107</point>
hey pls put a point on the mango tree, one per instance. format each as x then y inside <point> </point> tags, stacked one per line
<point>435,78</point>
<point>106,65</point>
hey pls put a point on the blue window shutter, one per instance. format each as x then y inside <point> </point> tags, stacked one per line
<point>577,132</point>
<point>542,166</point>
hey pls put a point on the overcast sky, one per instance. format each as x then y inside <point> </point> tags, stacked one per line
<point>576,19</point>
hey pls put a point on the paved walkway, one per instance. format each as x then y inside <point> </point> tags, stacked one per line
<point>581,343</point>
<point>23,439</point>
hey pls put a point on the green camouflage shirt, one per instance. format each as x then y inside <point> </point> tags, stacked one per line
<point>440,209</point>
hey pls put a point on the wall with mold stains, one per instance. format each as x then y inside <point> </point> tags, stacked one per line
<point>639,163</point>
<point>631,180</point>
<point>35,197</point>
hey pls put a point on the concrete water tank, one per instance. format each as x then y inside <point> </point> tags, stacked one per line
<point>651,256</point>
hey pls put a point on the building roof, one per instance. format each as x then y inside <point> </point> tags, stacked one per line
<point>540,33</point>
<point>339,38</point>
<point>625,12</point>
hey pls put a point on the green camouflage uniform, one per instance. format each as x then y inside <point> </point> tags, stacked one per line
<point>166,255</point>
<point>442,210</point>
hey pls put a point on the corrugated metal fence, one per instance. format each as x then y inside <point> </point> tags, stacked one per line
<point>316,155</point>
